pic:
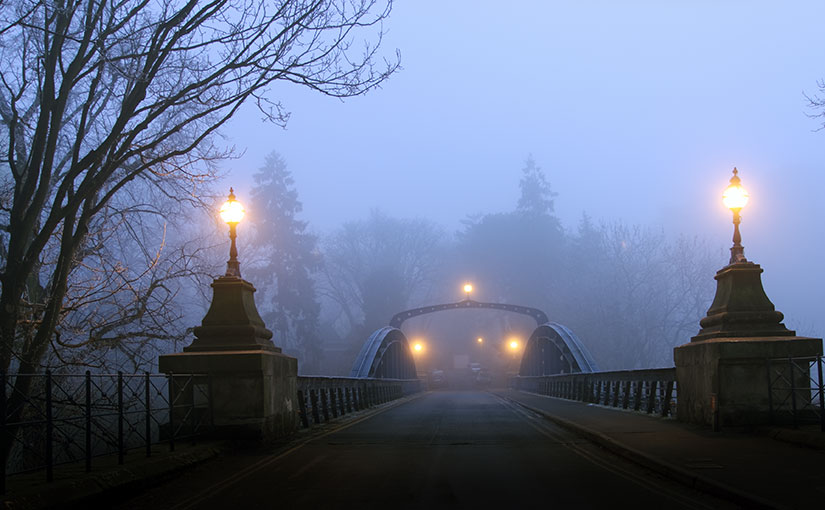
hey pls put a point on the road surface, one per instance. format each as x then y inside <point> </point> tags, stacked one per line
<point>449,449</point>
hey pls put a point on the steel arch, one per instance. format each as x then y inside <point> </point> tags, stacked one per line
<point>399,318</point>
<point>385,355</point>
<point>554,349</point>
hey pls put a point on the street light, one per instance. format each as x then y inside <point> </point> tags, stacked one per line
<point>232,212</point>
<point>735,198</point>
<point>480,340</point>
<point>468,288</point>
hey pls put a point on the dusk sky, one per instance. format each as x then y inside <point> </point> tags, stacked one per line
<point>637,111</point>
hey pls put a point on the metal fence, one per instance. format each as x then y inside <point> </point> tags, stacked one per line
<point>650,390</point>
<point>795,391</point>
<point>52,419</point>
<point>321,399</point>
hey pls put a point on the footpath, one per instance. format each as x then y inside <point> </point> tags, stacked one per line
<point>766,468</point>
<point>109,481</point>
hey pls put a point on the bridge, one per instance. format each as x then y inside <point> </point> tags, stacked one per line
<point>560,432</point>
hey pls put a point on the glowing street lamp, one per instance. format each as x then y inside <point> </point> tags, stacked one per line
<point>735,198</point>
<point>232,212</point>
<point>513,344</point>
<point>417,347</point>
<point>480,340</point>
<point>468,288</point>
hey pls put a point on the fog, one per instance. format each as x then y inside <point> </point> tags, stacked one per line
<point>636,112</point>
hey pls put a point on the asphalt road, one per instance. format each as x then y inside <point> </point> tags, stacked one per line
<point>442,450</point>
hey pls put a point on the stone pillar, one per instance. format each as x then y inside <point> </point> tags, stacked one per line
<point>722,373</point>
<point>254,385</point>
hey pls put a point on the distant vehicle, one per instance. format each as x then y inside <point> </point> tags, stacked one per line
<point>475,367</point>
<point>483,377</point>
<point>438,379</point>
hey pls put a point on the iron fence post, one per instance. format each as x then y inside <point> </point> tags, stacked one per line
<point>148,431</point>
<point>192,412</point>
<point>49,428</point>
<point>119,417</point>
<point>3,430</point>
<point>211,407</point>
<point>821,395</point>
<point>88,421</point>
<point>770,390</point>
<point>793,392</point>
<point>171,391</point>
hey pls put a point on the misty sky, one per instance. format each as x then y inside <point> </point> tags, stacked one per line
<point>636,110</point>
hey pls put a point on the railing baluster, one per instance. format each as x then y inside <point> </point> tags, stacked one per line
<point>325,403</point>
<point>626,397</point>
<point>313,401</point>
<point>668,394</point>
<point>651,396</point>
<point>637,398</point>
<point>302,409</point>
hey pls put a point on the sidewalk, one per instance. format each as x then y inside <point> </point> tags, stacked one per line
<point>753,470</point>
<point>72,486</point>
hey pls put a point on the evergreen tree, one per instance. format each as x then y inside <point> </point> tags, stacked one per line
<point>536,196</point>
<point>289,257</point>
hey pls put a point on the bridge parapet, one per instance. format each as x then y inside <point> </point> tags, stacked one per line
<point>321,398</point>
<point>649,390</point>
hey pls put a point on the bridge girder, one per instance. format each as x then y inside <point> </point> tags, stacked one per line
<point>399,318</point>
<point>385,355</point>
<point>555,349</point>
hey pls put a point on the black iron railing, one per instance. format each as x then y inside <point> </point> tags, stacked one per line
<point>650,390</point>
<point>795,391</point>
<point>321,399</point>
<point>73,418</point>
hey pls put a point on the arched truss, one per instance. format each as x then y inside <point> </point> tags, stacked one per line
<point>400,317</point>
<point>554,349</point>
<point>385,355</point>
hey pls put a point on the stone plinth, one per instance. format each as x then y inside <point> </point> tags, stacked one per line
<point>232,322</point>
<point>253,392</point>
<point>741,308</point>
<point>734,372</point>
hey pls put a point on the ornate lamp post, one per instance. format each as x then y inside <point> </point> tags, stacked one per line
<point>721,372</point>
<point>735,198</point>
<point>252,384</point>
<point>232,212</point>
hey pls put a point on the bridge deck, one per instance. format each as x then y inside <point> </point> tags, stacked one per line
<point>458,449</point>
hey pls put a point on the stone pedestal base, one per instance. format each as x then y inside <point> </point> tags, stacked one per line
<point>726,379</point>
<point>253,392</point>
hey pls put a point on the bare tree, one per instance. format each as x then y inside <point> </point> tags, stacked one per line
<point>96,96</point>
<point>375,268</point>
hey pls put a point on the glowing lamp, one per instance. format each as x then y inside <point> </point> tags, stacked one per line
<point>513,344</point>
<point>735,196</point>
<point>480,340</point>
<point>232,211</point>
